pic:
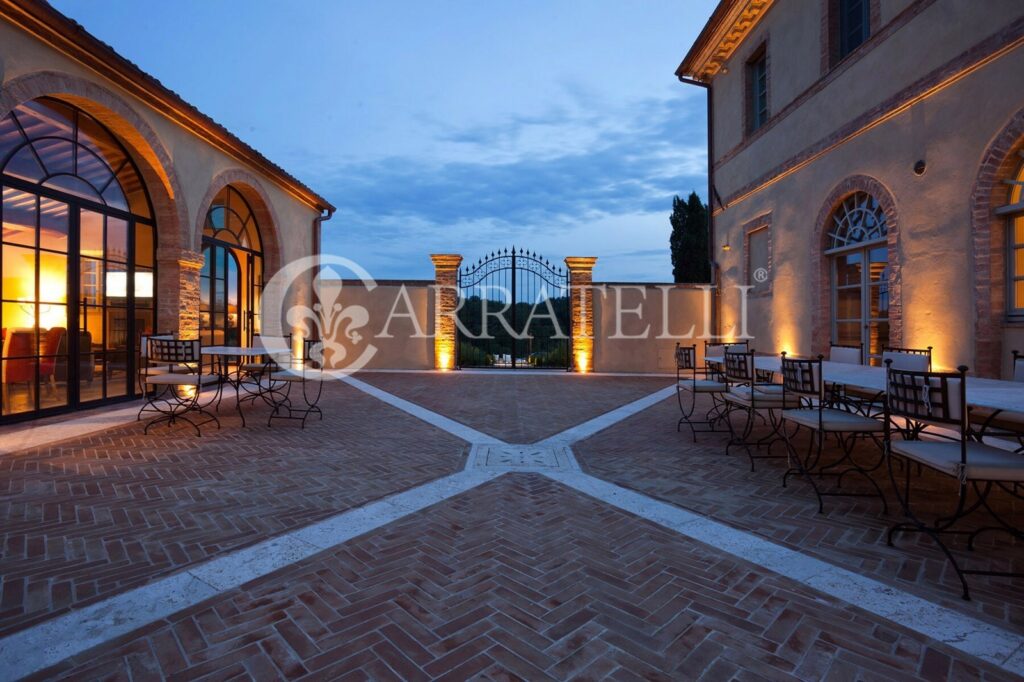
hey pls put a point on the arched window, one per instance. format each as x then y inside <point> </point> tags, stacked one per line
<point>231,281</point>
<point>1014,210</point>
<point>78,247</point>
<point>858,254</point>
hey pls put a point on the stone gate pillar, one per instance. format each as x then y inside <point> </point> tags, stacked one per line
<point>581,304</point>
<point>178,291</point>
<point>446,299</point>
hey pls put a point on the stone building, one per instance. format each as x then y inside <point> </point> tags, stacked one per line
<point>125,211</point>
<point>866,173</point>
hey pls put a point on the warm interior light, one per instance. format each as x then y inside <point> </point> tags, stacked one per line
<point>725,246</point>
<point>187,391</point>
<point>117,284</point>
<point>444,361</point>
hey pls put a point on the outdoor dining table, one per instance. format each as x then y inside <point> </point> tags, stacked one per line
<point>224,355</point>
<point>993,394</point>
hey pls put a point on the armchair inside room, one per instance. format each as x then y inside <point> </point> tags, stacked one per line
<point>86,358</point>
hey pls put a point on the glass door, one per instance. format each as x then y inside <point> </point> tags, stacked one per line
<point>220,307</point>
<point>860,300</point>
<point>34,271</point>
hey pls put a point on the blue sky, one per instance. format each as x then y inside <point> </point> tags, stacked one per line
<point>449,126</point>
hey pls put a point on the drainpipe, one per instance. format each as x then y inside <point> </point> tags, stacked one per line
<point>715,317</point>
<point>317,222</point>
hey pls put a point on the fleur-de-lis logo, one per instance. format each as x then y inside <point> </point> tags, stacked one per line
<point>329,319</point>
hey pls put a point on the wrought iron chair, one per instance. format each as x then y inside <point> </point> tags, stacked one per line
<point>803,381</point>
<point>177,394</point>
<point>716,370</point>
<point>255,368</point>
<point>283,376</point>
<point>939,400</point>
<point>147,366</point>
<point>693,380</point>
<point>752,392</point>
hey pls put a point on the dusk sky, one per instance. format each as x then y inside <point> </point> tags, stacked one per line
<point>449,126</point>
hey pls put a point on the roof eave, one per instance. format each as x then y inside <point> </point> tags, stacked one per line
<point>729,24</point>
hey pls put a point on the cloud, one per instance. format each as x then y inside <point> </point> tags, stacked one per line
<point>530,179</point>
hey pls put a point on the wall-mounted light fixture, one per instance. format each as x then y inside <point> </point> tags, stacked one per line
<point>725,246</point>
<point>920,167</point>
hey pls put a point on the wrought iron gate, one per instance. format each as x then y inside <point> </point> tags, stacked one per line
<point>514,312</point>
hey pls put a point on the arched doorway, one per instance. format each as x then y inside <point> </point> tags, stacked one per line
<point>231,281</point>
<point>858,253</point>
<point>78,261</point>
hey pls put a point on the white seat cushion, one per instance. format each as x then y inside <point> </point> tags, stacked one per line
<point>171,379</point>
<point>984,462</point>
<point>833,420</point>
<point>162,369</point>
<point>703,386</point>
<point>766,396</point>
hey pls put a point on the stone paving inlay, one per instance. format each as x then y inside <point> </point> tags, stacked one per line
<point>522,577</point>
<point>86,519</point>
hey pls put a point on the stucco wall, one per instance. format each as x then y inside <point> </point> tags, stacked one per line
<point>664,312</point>
<point>950,129</point>
<point>187,166</point>
<point>665,320</point>
<point>943,30</point>
<point>398,343</point>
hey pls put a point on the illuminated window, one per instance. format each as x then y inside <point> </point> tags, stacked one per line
<point>1014,211</point>
<point>859,263</point>
<point>78,252</point>
<point>231,281</point>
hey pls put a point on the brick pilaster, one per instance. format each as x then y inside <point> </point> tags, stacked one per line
<point>581,277</point>
<point>178,297</point>
<point>446,270</point>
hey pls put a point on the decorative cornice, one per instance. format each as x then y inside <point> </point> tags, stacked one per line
<point>446,261</point>
<point>728,26</point>
<point>580,263</point>
<point>71,39</point>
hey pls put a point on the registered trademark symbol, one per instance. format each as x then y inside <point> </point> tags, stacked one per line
<point>760,275</point>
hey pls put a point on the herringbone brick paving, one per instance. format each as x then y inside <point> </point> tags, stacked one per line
<point>646,453</point>
<point>522,578</point>
<point>94,516</point>
<point>522,408</point>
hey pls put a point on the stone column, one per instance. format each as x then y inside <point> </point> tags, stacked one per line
<point>446,299</point>
<point>581,276</point>
<point>178,291</point>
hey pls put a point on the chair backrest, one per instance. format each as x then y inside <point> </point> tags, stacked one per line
<point>718,350</point>
<point>913,359</point>
<point>802,376</point>
<point>1018,366</point>
<point>937,397</point>
<point>739,366</point>
<point>173,351</point>
<point>850,355</point>
<point>686,357</point>
<point>313,352</point>
<point>144,343</point>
